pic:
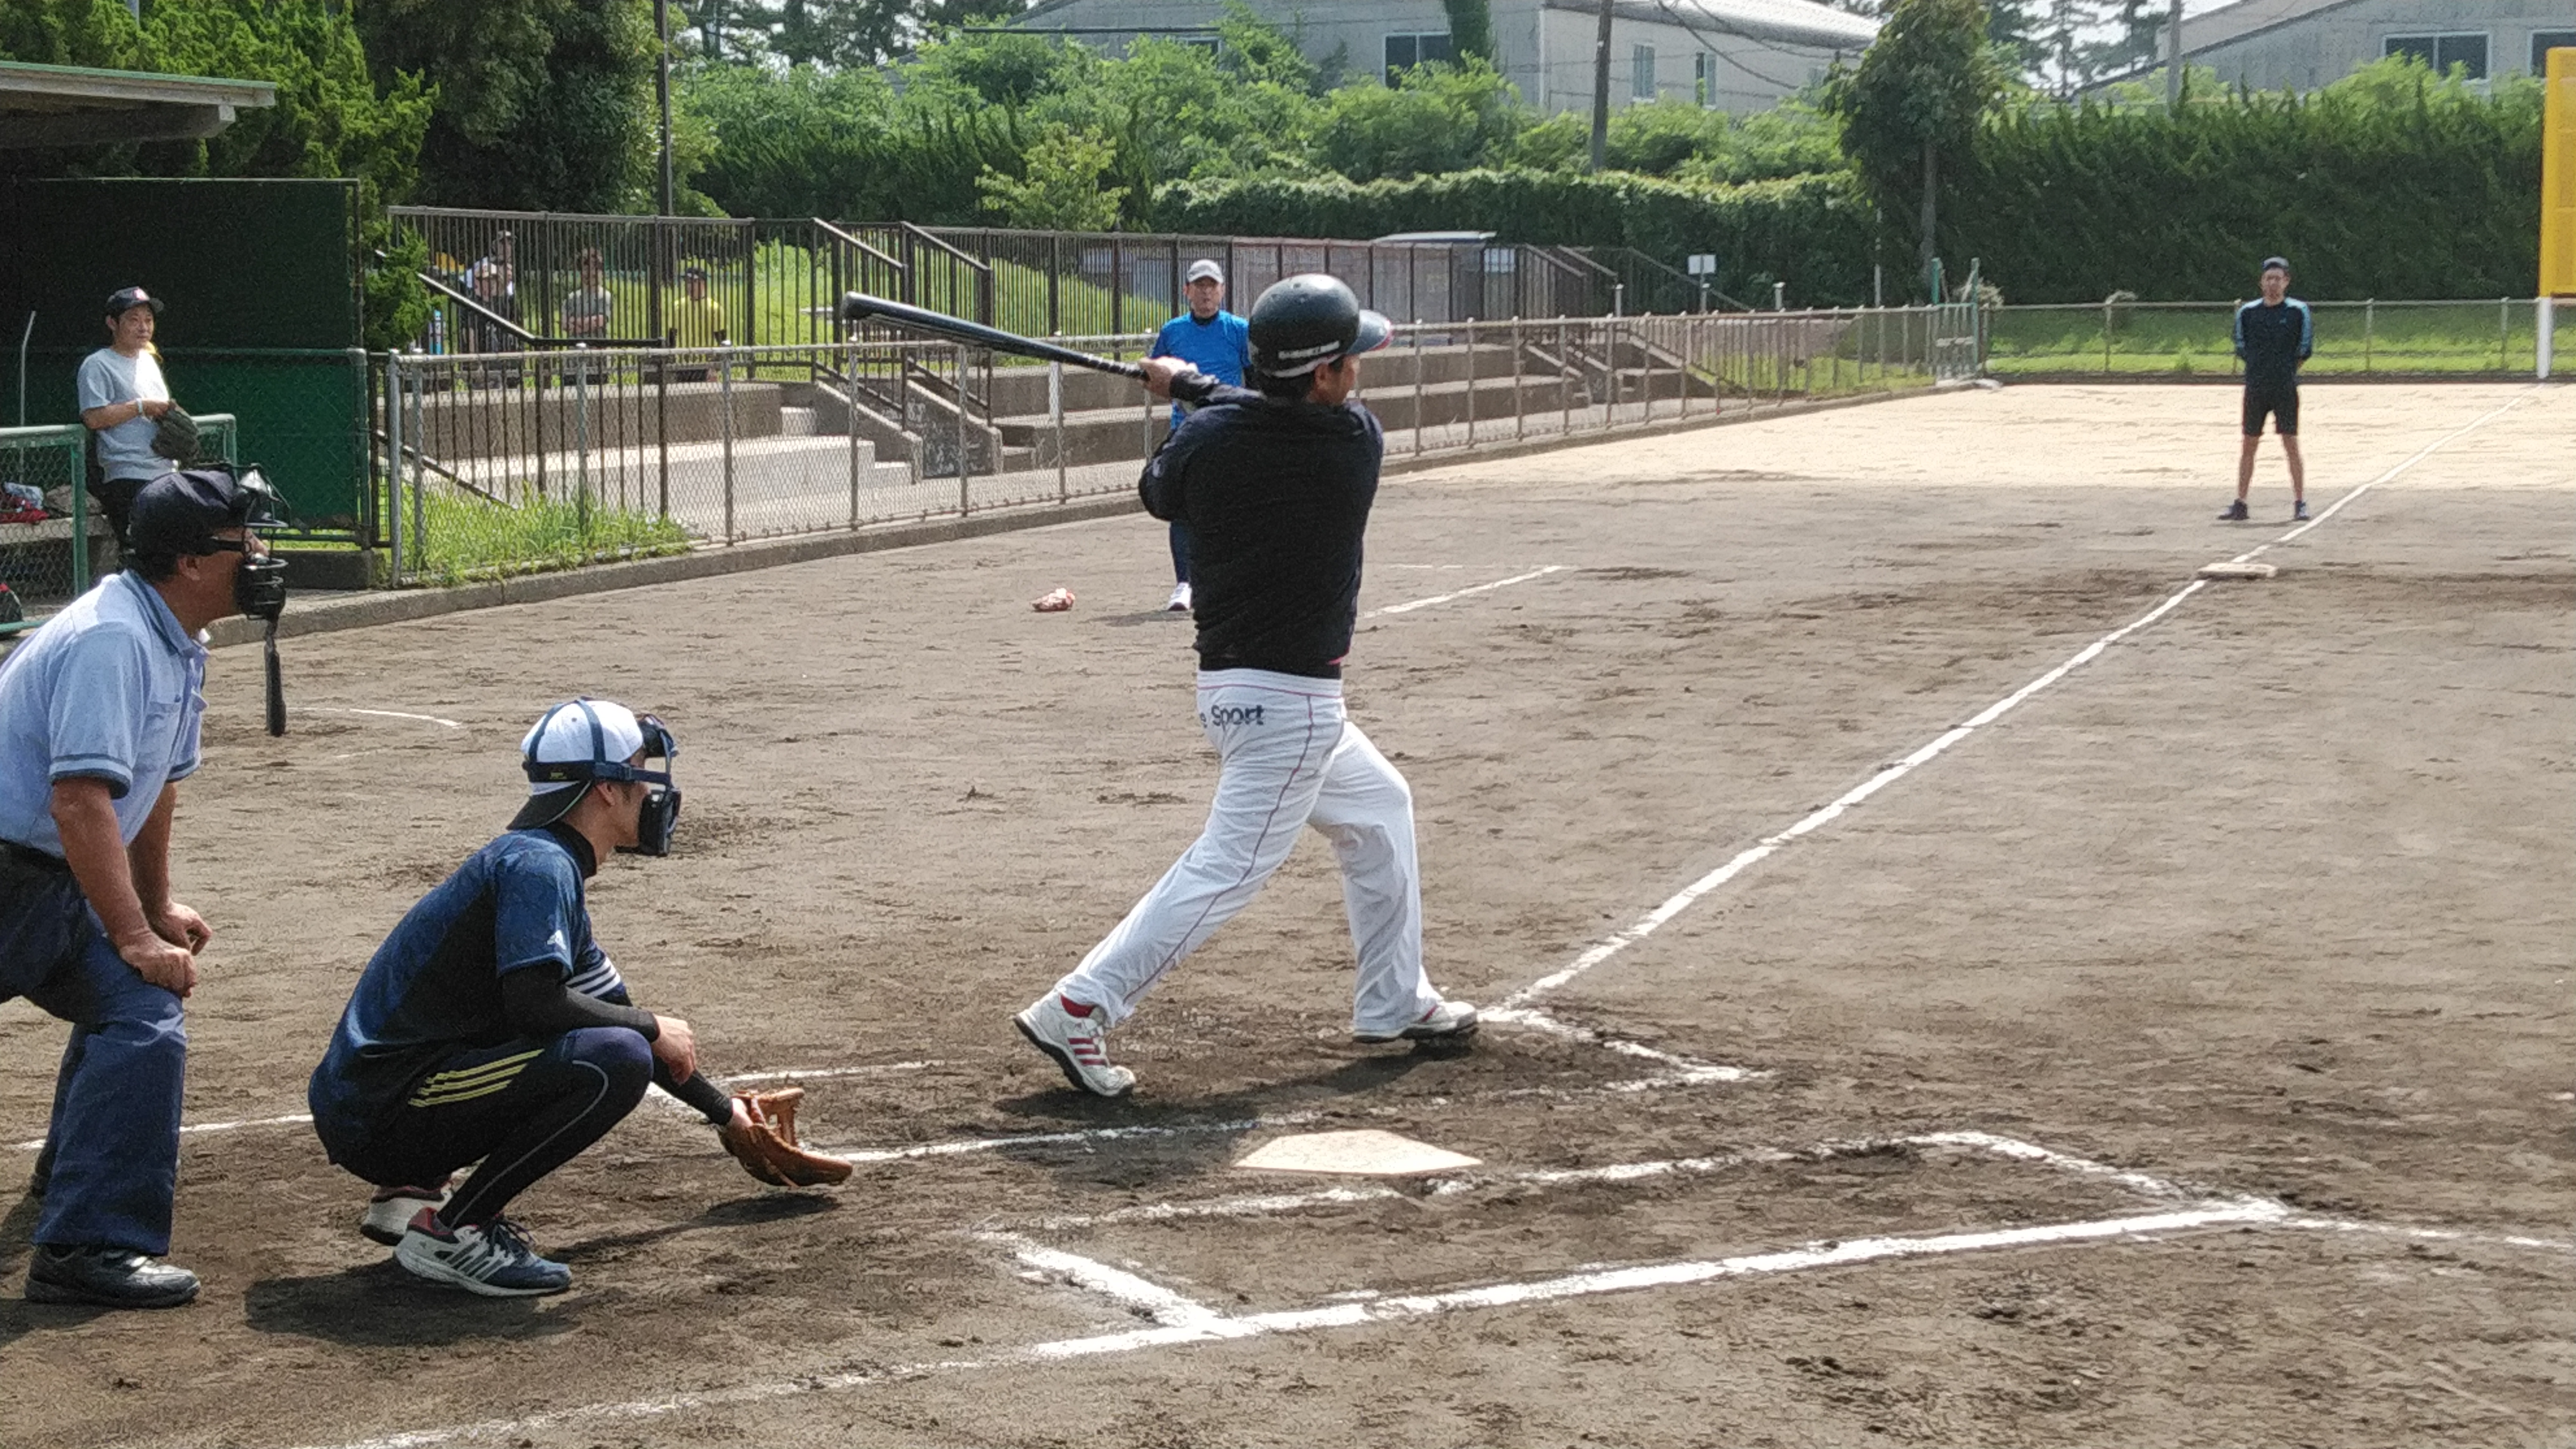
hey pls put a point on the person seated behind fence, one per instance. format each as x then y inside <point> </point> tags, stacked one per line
<point>485,331</point>
<point>697,320</point>
<point>588,309</point>
<point>122,398</point>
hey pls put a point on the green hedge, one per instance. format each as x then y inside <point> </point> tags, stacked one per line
<point>1812,232</point>
<point>2436,196</point>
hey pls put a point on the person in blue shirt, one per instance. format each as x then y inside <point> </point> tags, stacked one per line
<point>491,1028</point>
<point>99,715</point>
<point>2274,334</point>
<point>1215,342</point>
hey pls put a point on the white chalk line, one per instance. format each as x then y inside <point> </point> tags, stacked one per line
<point>1128,1291</point>
<point>1411,605</point>
<point>1455,1184</point>
<point>379,714</point>
<point>1213,1326</point>
<point>1823,815</point>
<point>2420,455</point>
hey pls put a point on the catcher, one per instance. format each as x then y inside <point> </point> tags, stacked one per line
<point>490,1027</point>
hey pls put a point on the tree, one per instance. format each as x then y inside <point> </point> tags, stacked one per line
<point>832,34</point>
<point>1918,94</point>
<point>1059,188</point>
<point>1471,28</point>
<point>1442,118</point>
<point>543,105</point>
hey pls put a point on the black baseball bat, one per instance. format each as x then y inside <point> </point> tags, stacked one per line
<point>276,686</point>
<point>859,307</point>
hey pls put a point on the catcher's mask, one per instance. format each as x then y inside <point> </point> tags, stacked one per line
<point>585,742</point>
<point>180,513</point>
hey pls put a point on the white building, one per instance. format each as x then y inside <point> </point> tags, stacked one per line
<point>1734,55</point>
<point>2271,45</point>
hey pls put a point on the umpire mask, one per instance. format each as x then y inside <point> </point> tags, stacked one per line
<point>259,587</point>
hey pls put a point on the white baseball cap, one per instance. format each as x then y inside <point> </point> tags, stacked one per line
<point>1203,268</point>
<point>578,743</point>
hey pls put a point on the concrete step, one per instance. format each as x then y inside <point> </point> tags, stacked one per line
<point>796,422</point>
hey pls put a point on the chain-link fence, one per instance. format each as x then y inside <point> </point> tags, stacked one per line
<point>53,537</point>
<point>2197,339</point>
<point>511,462</point>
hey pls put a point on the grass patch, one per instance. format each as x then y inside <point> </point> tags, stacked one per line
<point>2441,338</point>
<point>465,539</point>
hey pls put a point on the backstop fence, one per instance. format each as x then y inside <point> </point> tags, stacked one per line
<point>506,281</point>
<point>509,462</point>
<point>53,541</point>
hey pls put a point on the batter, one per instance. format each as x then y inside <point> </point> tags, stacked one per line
<point>1275,485</point>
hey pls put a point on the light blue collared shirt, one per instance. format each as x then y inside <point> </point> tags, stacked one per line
<point>110,688</point>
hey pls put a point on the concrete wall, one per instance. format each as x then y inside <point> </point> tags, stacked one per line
<point>1544,49</point>
<point>2328,44</point>
<point>496,422</point>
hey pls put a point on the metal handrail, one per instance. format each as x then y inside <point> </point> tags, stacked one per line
<point>846,239</point>
<point>453,295</point>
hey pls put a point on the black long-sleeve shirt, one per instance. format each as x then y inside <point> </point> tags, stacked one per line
<point>1276,496</point>
<point>2274,340</point>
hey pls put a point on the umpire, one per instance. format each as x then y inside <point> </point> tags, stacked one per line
<point>99,714</point>
<point>1275,485</point>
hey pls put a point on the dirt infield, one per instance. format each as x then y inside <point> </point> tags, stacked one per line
<point>2267,906</point>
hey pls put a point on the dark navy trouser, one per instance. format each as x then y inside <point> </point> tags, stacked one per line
<point>112,1147</point>
<point>522,1109</point>
<point>1180,552</point>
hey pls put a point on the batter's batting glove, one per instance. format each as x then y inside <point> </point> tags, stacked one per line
<point>767,1146</point>
<point>175,436</point>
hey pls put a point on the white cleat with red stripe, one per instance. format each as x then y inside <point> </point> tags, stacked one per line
<point>1073,1039</point>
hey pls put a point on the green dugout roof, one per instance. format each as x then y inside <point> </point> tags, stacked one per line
<point>62,105</point>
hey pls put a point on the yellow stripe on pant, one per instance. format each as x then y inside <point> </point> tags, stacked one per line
<point>439,1089</point>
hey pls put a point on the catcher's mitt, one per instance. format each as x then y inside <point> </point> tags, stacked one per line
<point>175,436</point>
<point>767,1149</point>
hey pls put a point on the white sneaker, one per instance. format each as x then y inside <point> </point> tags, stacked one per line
<point>493,1259</point>
<point>1448,1021</point>
<point>392,1209</point>
<point>1074,1042</point>
<point>1180,603</point>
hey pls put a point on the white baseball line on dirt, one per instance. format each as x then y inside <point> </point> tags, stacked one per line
<point>381,714</point>
<point>2432,1235</point>
<point>1450,1185</point>
<point>1410,606</point>
<point>1137,1296</point>
<point>1823,815</point>
<point>1217,1327</point>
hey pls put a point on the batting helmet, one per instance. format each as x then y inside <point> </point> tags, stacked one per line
<point>1303,322</point>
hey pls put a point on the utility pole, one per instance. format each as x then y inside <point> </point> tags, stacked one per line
<point>2173,58</point>
<point>1600,90</point>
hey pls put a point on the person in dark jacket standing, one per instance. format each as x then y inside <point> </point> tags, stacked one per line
<point>1275,486</point>
<point>2274,334</point>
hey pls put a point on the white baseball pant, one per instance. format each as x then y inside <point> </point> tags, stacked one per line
<point>1290,757</point>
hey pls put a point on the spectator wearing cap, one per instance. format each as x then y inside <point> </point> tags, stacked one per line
<point>1217,343</point>
<point>697,320</point>
<point>99,713</point>
<point>122,398</point>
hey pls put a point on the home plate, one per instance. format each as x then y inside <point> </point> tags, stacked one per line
<point>1366,1152</point>
<point>2234,570</point>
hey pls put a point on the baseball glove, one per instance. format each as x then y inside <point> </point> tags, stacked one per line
<point>175,436</point>
<point>767,1148</point>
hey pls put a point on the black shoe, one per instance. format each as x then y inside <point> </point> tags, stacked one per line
<point>106,1277</point>
<point>2235,513</point>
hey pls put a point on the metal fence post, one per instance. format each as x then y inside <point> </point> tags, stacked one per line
<point>724,399</point>
<point>2504,333</point>
<point>1419,362</point>
<point>2369,330</point>
<point>1520,413</point>
<point>848,416</point>
<point>581,439</point>
<point>1566,377</point>
<point>1471,383</point>
<point>393,463</point>
<point>965,483</point>
<point>1055,429</point>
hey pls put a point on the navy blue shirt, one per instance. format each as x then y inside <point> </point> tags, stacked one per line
<point>434,986</point>
<point>1277,496</point>
<point>2274,340</point>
